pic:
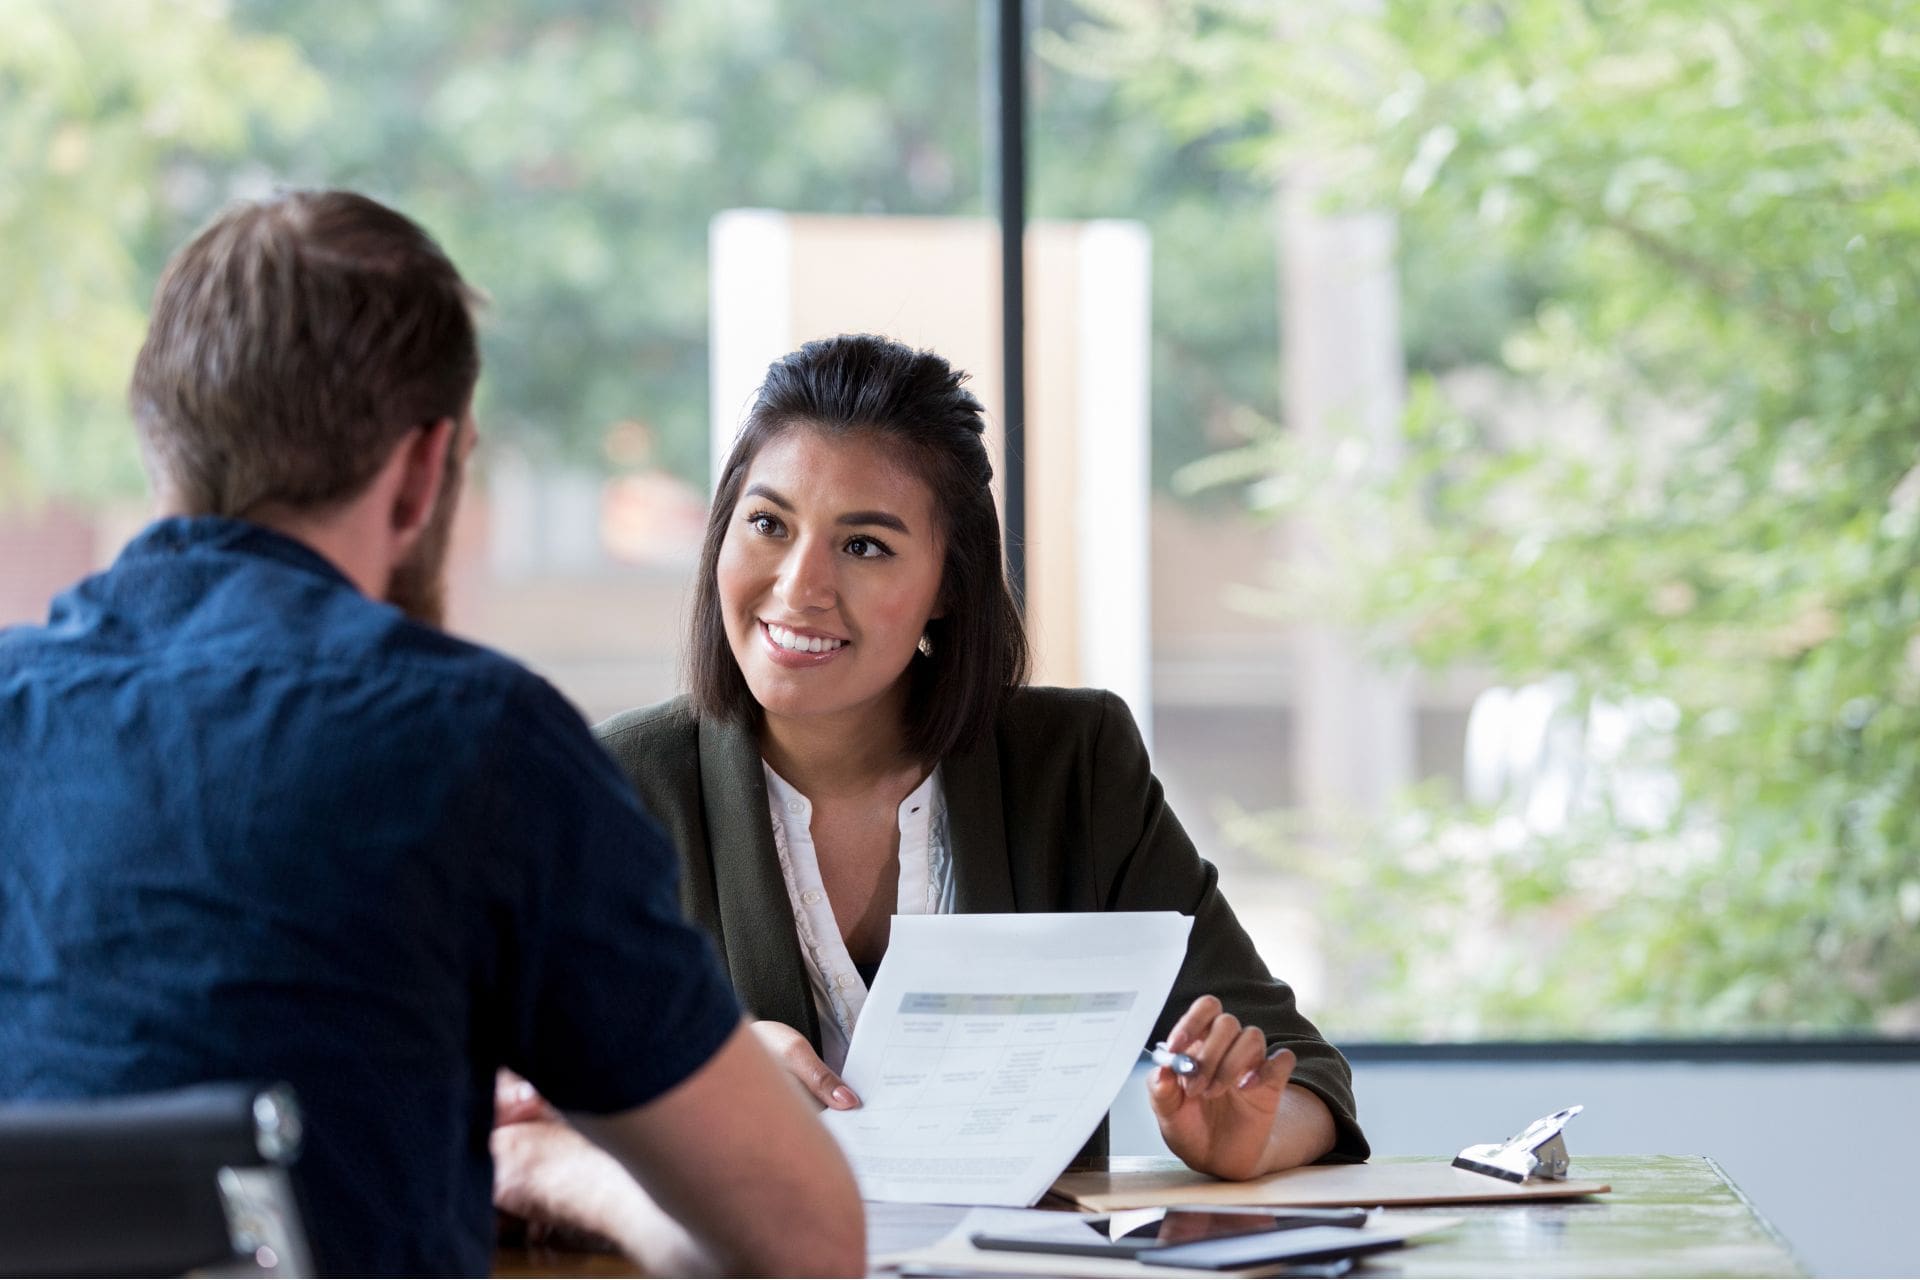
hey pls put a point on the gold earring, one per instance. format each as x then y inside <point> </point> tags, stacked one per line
<point>925,646</point>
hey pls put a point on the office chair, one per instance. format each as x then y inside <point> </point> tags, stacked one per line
<point>192,1179</point>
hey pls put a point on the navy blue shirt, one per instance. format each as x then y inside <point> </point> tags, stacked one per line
<point>254,825</point>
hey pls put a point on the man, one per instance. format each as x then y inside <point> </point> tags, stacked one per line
<point>261,819</point>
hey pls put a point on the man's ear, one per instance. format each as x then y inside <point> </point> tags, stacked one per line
<point>423,470</point>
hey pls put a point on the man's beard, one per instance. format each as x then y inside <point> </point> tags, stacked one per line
<point>418,585</point>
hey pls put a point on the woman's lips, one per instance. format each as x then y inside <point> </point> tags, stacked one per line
<point>796,658</point>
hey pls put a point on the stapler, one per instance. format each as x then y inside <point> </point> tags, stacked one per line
<point>1538,1151</point>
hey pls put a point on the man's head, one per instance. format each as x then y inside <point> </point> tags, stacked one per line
<point>297,346</point>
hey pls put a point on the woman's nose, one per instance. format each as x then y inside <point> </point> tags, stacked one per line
<point>806,579</point>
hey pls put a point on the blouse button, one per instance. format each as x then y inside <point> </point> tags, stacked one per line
<point>796,806</point>
<point>844,981</point>
<point>811,897</point>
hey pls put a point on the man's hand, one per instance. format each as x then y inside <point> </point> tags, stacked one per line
<point>796,1057</point>
<point>515,1101</point>
<point>547,1173</point>
<point>1234,1117</point>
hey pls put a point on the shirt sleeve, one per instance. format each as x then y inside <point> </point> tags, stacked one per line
<point>614,996</point>
<point>1158,869</point>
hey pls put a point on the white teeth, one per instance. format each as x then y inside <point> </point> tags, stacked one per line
<point>797,643</point>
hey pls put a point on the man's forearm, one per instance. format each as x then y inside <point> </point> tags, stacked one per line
<point>643,1230</point>
<point>738,1159</point>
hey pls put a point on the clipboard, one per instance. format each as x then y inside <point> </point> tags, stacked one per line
<point>1139,1182</point>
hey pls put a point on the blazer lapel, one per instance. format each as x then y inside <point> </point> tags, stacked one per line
<point>756,920</point>
<point>976,824</point>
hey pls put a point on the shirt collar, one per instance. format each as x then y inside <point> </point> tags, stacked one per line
<point>913,816</point>
<point>178,535</point>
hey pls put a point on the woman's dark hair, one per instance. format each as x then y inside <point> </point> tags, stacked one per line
<point>914,402</point>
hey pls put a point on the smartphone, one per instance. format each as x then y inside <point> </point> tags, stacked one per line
<point>1310,1244</point>
<point>1184,1226</point>
<point>1177,1227</point>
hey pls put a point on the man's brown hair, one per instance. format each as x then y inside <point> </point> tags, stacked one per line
<point>292,344</point>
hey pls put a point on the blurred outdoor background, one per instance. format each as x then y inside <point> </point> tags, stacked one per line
<point>1532,621</point>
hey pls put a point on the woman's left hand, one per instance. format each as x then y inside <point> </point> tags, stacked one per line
<point>1224,1118</point>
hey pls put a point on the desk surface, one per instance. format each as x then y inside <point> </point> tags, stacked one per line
<point>1666,1216</point>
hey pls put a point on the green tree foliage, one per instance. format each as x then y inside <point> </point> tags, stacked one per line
<point>577,152</point>
<point>1707,503</point>
<point>103,107</point>
<point>1099,153</point>
<point>571,156</point>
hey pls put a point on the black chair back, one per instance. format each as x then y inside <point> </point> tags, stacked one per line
<point>159,1184</point>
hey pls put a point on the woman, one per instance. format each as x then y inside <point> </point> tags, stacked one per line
<point>856,742</point>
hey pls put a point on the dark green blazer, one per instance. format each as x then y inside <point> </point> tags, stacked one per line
<point>1057,811</point>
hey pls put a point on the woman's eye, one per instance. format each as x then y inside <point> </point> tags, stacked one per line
<point>763,523</point>
<point>867,548</point>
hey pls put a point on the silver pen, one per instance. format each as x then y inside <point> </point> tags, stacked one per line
<point>1179,1063</point>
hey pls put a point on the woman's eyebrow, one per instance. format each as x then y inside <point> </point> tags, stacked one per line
<point>771,495</point>
<point>885,519</point>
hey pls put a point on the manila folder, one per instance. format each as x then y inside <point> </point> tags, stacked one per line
<point>1140,1182</point>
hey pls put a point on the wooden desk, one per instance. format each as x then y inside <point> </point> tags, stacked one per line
<point>1666,1216</point>
<point>538,1260</point>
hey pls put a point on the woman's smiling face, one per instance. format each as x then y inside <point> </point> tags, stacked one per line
<point>828,573</point>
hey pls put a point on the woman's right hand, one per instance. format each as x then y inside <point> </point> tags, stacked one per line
<point>797,1058</point>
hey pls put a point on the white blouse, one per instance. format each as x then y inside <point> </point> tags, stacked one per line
<point>926,888</point>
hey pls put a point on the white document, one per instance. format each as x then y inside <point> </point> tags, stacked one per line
<point>991,1046</point>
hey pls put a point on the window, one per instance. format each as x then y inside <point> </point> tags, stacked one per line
<point>1478,442</point>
